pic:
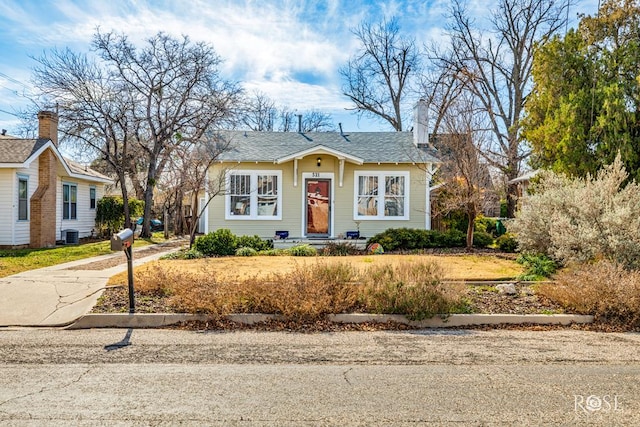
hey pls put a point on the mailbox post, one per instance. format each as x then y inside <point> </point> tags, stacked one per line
<point>123,241</point>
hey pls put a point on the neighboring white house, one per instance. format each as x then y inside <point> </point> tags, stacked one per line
<point>523,182</point>
<point>45,198</point>
<point>323,184</point>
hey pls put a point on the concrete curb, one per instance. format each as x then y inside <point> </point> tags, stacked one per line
<point>126,320</point>
<point>135,320</point>
<point>455,320</point>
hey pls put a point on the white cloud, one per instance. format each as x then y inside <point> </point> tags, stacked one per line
<point>288,49</point>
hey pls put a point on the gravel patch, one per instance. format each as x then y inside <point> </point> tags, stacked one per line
<point>121,258</point>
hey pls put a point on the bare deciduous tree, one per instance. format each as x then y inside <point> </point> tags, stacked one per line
<point>260,113</point>
<point>191,182</point>
<point>140,102</point>
<point>377,78</point>
<point>316,121</point>
<point>91,110</point>
<point>495,66</point>
<point>465,176</point>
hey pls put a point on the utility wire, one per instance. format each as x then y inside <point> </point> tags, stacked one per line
<point>9,112</point>
<point>12,80</point>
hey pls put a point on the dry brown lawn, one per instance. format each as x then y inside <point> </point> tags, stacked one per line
<point>456,267</point>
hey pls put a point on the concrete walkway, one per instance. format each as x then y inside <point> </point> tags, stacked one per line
<point>60,294</point>
<point>63,294</point>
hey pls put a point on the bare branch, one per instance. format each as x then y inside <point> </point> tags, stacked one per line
<point>377,78</point>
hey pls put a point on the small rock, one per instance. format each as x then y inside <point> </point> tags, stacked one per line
<point>507,288</point>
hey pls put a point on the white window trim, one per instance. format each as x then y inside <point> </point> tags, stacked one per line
<point>22,177</point>
<point>381,175</point>
<point>95,193</point>
<point>70,184</point>
<point>253,194</point>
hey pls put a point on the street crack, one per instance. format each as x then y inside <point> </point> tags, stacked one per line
<point>46,389</point>
<point>344,375</point>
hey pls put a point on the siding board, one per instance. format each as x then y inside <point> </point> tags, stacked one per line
<point>343,198</point>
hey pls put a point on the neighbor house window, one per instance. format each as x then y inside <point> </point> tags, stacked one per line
<point>69,201</point>
<point>92,198</point>
<point>23,198</point>
<point>381,195</point>
<point>254,195</point>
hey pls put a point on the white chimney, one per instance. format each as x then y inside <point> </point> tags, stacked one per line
<point>420,124</point>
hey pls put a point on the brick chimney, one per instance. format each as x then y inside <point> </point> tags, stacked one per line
<point>43,201</point>
<point>48,126</point>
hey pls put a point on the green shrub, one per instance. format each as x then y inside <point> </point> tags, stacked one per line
<point>192,254</point>
<point>302,250</point>
<point>583,219</point>
<point>184,254</point>
<point>537,266</point>
<point>452,239</point>
<point>110,213</point>
<point>482,239</point>
<point>254,242</point>
<point>485,225</point>
<point>412,238</point>
<point>273,252</point>
<point>340,249</point>
<point>456,220</point>
<point>218,243</point>
<point>246,251</point>
<point>385,239</point>
<point>507,243</point>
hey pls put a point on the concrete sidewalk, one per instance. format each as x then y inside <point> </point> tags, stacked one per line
<point>60,294</point>
<point>63,294</point>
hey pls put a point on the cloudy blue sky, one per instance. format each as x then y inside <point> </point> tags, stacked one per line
<point>290,50</point>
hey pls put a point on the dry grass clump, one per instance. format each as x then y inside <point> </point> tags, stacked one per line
<point>414,289</point>
<point>309,292</point>
<point>604,289</point>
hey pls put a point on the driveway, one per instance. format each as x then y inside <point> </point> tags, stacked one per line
<point>60,294</point>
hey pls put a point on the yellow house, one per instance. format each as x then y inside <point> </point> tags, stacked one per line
<point>322,184</point>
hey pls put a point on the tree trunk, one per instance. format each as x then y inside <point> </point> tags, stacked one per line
<point>125,203</point>
<point>512,200</point>
<point>165,222</point>
<point>471,217</point>
<point>148,198</point>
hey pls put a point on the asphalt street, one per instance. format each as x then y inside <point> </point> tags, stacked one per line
<point>428,377</point>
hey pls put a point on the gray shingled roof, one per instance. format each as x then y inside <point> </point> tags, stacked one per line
<point>80,169</point>
<point>17,150</point>
<point>371,147</point>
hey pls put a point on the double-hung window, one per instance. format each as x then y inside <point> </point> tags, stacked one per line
<point>254,195</point>
<point>381,195</point>
<point>92,198</point>
<point>23,198</point>
<point>69,201</point>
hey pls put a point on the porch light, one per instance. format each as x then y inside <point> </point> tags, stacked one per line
<point>319,161</point>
